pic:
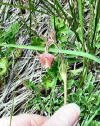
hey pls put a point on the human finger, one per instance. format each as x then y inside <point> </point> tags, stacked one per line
<point>23,120</point>
<point>65,116</point>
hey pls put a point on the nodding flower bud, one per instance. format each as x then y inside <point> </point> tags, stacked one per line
<point>46,60</point>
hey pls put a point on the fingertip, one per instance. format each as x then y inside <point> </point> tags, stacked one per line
<point>65,116</point>
<point>75,107</point>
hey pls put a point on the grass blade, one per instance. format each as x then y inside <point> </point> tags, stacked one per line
<point>80,10</point>
<point>56,9</point>
<point>30,17</point>
<point>55,50</point>
<point>68,19</point>
<point>92,117</point>
<point>96,20</point>
<point>23,7</point>
<point>47,7</point>
<point>74,15</point>
<point>13,5</point>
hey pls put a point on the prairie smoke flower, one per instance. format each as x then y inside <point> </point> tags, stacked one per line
<point>46,60</point>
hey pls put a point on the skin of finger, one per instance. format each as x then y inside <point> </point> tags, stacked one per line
<point>65,116</point>
<point>24,120</point>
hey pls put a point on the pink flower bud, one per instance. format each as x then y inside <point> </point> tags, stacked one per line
<point>46,60</point>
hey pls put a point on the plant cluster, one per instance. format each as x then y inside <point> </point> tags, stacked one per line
<point>7,36</point>
<point>72,53</point>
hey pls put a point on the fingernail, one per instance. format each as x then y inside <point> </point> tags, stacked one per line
<point>76,107</point>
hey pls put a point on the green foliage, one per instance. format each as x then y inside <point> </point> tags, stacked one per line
<point>86,97</point>
<point>3,66</point>
<point>37,41</point>
<point>55,50</point>
<point>10,33</point>
<point>32,86</point>
<point>78,53</point>
<point>62,32</point>
<point>38,101</point>
<point>52,76</point>
<point>7,36</point>
<point>94,123</point>
<point>80,10</point>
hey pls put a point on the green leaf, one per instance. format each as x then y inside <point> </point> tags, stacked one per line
<point>48,82</point>
<point>32,87</point>
<point>63,39</point>
<point>79,92</point>
<point>94,123</point>
<point>90,88</point>
<point>70,83</point>
<point>53,72</point>
<point>3,66</point>
<point>48,110</point>
<point>98,45</point>
<point>76,71</point>
<point>70,33</point>
<point>96,19</point>
<point>89,78</point>
<point>80,10</point>
<point>37,41</point>
<point>98,27</point>
<point>55,50</point>
<point>92,117</point>
<point>10,33</point>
